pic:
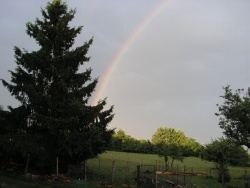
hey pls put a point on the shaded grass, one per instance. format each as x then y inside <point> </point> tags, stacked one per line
<point>14,180</point>
<point>206,183</point>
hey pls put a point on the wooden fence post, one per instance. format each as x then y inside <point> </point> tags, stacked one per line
<point>156,180</point>
<point>57,161</point>
<point>99,163</point>
<point>85,170</point>
<point>138,175</point>
<point>246,183</point>
<point>192,171</point>
<point>113,170</point>
<point>177,174</point>
<point>184,175</point>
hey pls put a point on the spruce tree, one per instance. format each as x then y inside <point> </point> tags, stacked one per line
<point>55,96</point>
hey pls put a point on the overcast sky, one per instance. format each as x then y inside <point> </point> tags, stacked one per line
<point>172,73</point>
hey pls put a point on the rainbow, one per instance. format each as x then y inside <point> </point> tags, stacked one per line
<point>124,48</point>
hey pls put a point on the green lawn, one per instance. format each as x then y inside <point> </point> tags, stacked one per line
<point>124,169</point>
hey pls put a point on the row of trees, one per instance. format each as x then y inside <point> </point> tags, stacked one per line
<point>167,142</point>
<point>54,119</point>
<point>125,143</point>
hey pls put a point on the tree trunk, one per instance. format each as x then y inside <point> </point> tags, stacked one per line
<point>113,171</point>
<point>172,162</point>
<point>166,162</point>
<point>57,160</point>
<point>84,169</point>
<point>223,178</point>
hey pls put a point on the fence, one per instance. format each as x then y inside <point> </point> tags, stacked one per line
<point>126,173</point>
<point>111,171</point>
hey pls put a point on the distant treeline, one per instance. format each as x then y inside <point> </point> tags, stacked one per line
<point>125,143</point>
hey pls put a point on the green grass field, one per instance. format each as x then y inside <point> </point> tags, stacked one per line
<point>121,168</point>
<point>124,169</point>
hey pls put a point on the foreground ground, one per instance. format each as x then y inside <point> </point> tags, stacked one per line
<point>120,168</point>
<point>13,180</point>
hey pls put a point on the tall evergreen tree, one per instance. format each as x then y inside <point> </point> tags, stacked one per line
<point>54,95</point>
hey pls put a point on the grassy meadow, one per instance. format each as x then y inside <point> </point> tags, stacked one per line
<point>120,167</point>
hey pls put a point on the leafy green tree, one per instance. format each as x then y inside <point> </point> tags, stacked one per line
<point>169,142</point>
<point>162,150</point>
<point>54,94</point>
<point>168,135</point>
<point>144,146</point>
<point>121,134</point>
<point>176,153</point>
<point>192,148</point>
<point>224,152</point>
<point>123,142</point>
<point>234,115</point>
<point>128,143</point>
<point>115,144</point>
